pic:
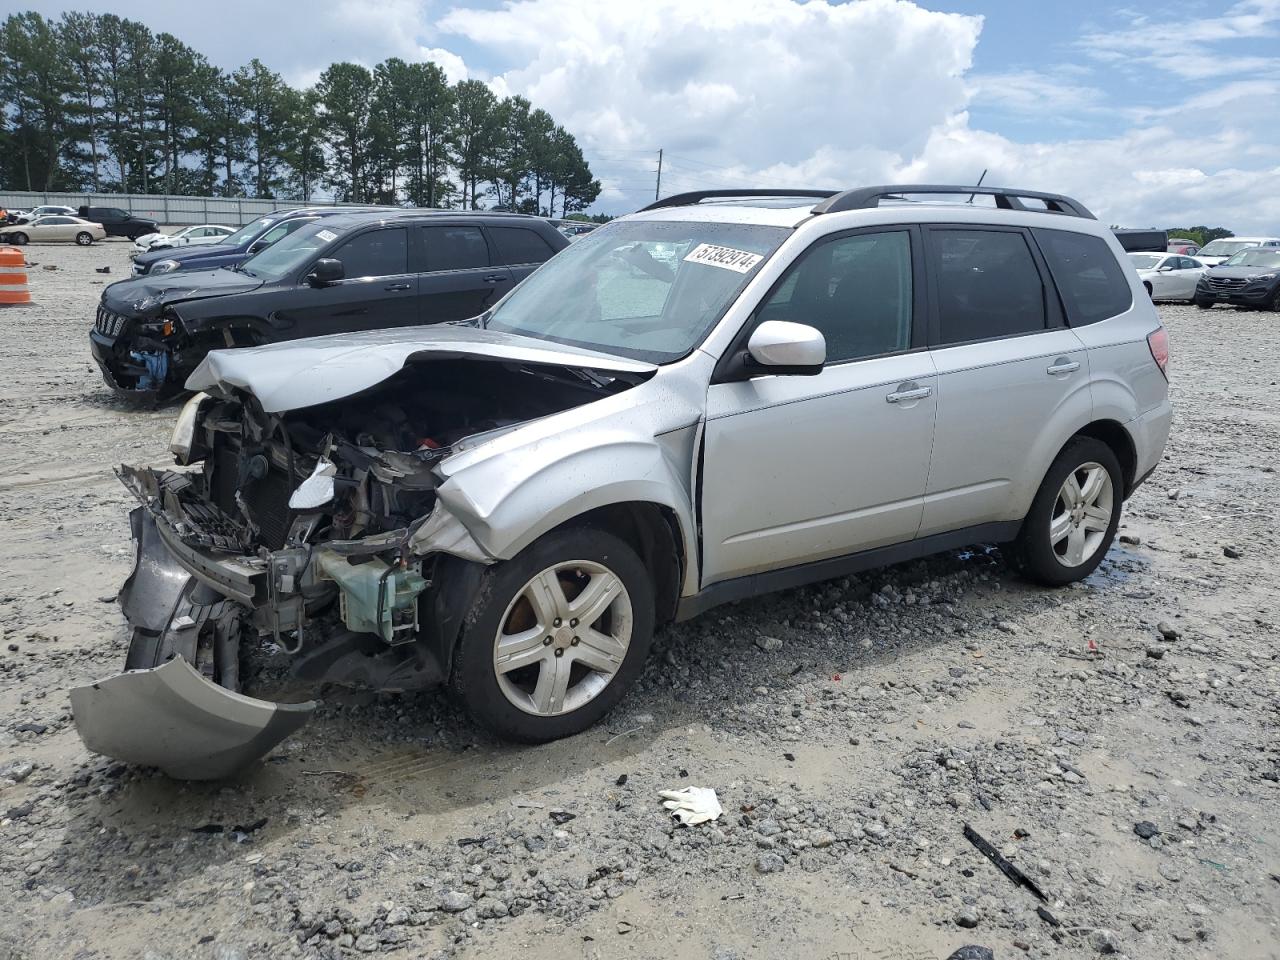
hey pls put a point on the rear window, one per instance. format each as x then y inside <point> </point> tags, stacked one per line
<point>988,285</point>
<point>455,248</point>
<point>1092,284</point>
<point>518,245</point>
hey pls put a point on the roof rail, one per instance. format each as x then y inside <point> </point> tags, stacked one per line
<point>697,196</point>
<point>1006,198</point>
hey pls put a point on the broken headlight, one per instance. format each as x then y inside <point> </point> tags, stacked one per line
<point>184,431</point>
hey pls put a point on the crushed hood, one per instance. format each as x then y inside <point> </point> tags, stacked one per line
<point>303,373</point>
<point>146,294</point>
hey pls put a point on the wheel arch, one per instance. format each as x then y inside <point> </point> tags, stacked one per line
<point>1115,436</point>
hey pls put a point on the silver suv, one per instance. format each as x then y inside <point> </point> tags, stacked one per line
<point>724,394</point>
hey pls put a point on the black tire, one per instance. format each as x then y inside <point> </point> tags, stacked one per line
<point>1204,304</point>
<point>1275,301</point>
<point>1148,288</point>
<point>18,239</point>
<point>474,680</point>
<point>1032,554</point>
<point>84,238</point>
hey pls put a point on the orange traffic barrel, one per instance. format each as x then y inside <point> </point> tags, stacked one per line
<point>13,277</point>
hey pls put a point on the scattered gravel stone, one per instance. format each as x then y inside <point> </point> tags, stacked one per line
<point>453,901</point>
<point>770,863</point>
<point>769,644</point>
<point>1146,829</point>
<point>967,918</point>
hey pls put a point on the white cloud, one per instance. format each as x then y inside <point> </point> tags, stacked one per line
<point>775,93</point>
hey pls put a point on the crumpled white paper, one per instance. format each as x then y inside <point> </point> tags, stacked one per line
<point>692,805</point>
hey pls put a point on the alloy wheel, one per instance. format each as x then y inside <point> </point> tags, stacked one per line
<point>563,638</point>
<point>1082,514</point>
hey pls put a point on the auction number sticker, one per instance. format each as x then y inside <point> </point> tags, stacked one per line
<point>739,261</point>
<point>327,235</point>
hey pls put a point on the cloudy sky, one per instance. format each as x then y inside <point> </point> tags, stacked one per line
<point>1161,115</point>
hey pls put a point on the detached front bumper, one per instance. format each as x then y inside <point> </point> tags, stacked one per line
<point>171,716</point>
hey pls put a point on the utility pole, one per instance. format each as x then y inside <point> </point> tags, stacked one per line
<point>657,187</point>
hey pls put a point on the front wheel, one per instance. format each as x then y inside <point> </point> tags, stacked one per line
<point>557,636</point>
<point>1073,517</point>
<point>84,239</point>
<point>1275,301</point>
<point>18,239</point>
<point>1203,304</point>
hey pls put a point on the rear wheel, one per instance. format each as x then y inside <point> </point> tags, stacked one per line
<point>557,636</point>
<point>1148,287</point>
<point>84,239</point>
<point>1073,517</point>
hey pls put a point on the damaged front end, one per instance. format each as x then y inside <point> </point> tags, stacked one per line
<point>313,533</point>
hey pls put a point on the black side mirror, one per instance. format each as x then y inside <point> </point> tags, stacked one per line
<point>326,270</point>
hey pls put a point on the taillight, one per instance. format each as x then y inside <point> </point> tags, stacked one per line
<point>1158,341</point>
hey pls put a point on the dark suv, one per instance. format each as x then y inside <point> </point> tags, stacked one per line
<point>354,271</point>
<point>252,238</point>
<point>117,222</point>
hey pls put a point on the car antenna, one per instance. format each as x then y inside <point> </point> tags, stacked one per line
<point>978,184</point>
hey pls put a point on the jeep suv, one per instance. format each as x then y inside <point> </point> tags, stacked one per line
<point>350,271</point>
<point>119,223</point>
<point>724,394</point>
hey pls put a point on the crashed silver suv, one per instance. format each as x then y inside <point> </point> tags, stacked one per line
<point>721,395</point>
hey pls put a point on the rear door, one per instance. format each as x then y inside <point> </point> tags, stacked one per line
<point>378,289</point>
<point>458,278</point>
<point>1010,373</point>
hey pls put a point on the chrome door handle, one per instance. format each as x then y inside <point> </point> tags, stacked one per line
<point>900,396</point>
<point>1062,366</point>
<point>396,286</point>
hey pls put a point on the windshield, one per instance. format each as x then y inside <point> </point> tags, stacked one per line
<point>288,253</point>
<point>1225,248</point>
<point>250,230</point>
<point>1255,258</point>
<point>647,290</point>
<point>1145,261</point>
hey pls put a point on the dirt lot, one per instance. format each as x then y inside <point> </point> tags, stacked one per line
<point>850,729</point>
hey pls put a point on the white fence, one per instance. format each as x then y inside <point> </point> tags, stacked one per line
<point>233,211</point>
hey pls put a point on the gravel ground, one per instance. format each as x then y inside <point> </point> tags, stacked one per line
<point>1117,741</point>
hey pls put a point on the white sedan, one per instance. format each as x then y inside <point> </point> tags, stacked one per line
<point>204,233</point>
<point>1168,276</point>
<point>55,228</point>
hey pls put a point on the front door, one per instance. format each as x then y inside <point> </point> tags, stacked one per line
<point>805,468</point>
<point>459,279</point>
<point>377,290</point>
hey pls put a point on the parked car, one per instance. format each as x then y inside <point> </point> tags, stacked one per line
<point>1251,278</point>
<point>1216,251</point>
<point>693,404</point>
<point>1168,276</point>
<point>119,222</point>
<point>14,216</point>
<point>353,271</point>
<point>252,238</point>
<point>1150,241</point>
<point>575,230</point>
<point>200,235</point>
<point>52,229</point>
<point>47,210</point>
<point>1188,248</point>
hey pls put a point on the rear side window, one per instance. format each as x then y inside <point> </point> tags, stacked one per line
<point>988,285</point>
<point>378,253</point>
<point>518,245</point>
<point>455,248</point>
<point>1092,284</point>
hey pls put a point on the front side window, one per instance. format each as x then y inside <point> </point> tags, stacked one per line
<point>378,253</point>
<point>646,289</point>
<point>517,245</point>
<point>455,248</point>
<point>856,290</point>
<point>1092,284</point>
<point>988,285</point>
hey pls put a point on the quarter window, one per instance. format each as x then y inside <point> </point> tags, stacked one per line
<point>378,253</point>
<point>455,248</point>
<point>1092,284</point>
<point>988,285</point>
<point>517,245</point>
<point>856,290</point>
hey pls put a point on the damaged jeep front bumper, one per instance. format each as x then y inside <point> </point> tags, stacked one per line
<point>172,716</point>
